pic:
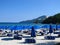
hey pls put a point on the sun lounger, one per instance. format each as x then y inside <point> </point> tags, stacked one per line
<point>2,34</point>
<point>17,37</point>
<point>30,41</point>
<point>9,35</point>
<point>49,37</point>
<point>56,32</point>
<point>58,35</point>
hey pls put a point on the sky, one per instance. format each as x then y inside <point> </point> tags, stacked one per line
<point>21,10</point>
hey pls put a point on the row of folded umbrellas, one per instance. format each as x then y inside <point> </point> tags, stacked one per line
<point>29,27</point>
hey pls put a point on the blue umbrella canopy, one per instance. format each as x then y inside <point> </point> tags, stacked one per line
<point>24,27</point>
<point>33,32</point>
<point>53,26</point>
<point>2,27</point>
<point>27,27</point>
<point>36,27</point>
<point>16,27</point>
<point>45,26</point>
<point>58,26</point>
<point>19,28</point>
<point>12,27</point>
<point>6,27</point>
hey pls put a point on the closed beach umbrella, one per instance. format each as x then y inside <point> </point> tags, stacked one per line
<point>33,32</point>
<point>50,29</point>
<point>56,27</point>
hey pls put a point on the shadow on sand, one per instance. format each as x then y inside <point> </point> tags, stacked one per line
<point>47,39</point>
<point>58,43</point>
<point>56,37</point>
<point>7,39</point>
<point>47,43</point>
<point>25,43</point>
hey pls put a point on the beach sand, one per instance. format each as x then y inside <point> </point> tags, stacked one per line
<point>39,41</point>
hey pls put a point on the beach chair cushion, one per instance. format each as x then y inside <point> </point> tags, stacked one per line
<point>50,37</point>
<point>30,41</point>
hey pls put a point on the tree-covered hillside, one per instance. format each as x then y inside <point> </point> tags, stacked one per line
<point>52,19</point>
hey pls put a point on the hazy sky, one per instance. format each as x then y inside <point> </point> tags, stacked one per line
<point>19,10</point>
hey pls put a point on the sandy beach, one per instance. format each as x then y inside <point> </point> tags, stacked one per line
<point>39,41</point>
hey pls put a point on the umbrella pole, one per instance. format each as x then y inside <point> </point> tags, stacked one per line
<point>50,34</point>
